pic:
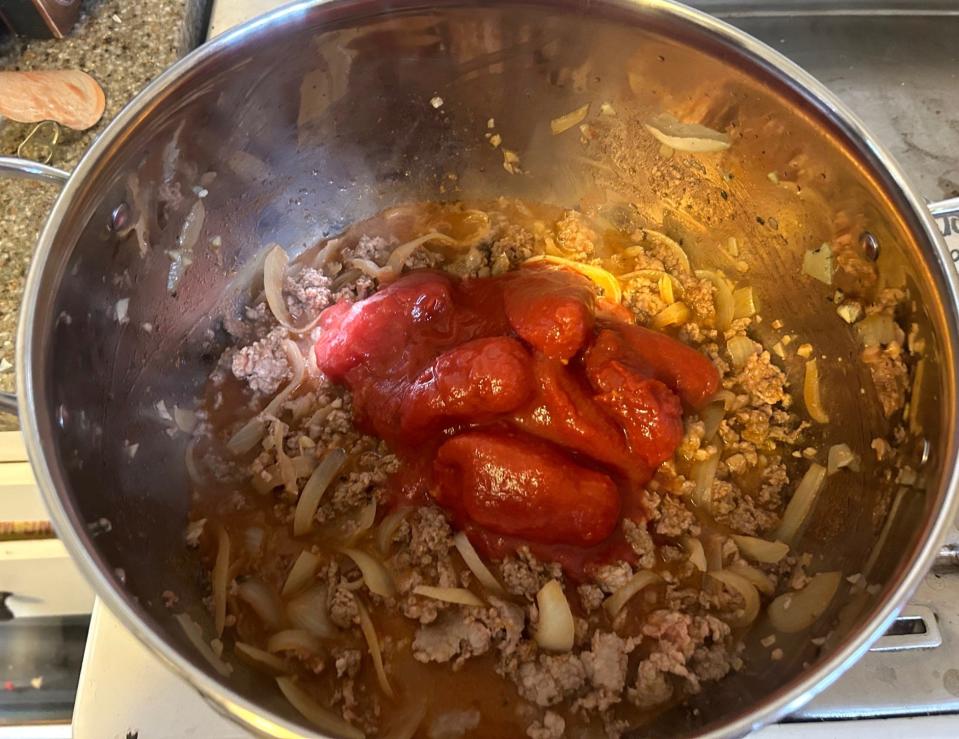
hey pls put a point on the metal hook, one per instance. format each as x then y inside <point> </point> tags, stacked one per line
<point>44,150</point>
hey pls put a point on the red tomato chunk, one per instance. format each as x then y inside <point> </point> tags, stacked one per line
<point>526,407</point>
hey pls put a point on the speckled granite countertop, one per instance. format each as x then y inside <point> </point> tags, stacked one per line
<point>124,44</point>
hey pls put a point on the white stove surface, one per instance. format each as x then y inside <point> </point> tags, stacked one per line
<point>127,692</point>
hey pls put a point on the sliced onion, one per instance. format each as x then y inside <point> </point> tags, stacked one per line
<point>375,575</point>
<point>818,264</point>
<point>405,725</point>
<point>741,348</point>
<point>260,658</point>
<point>801,503</point>
<point>713,551</point>
<point>324,474</point>
<point>250,435</point>
<point>758,578</point>
<point>694,549</point>
<point>840,455</point>
<point>748,592</point>
<point>642,579</point>
<point>274,275</point>
<point>403,252</point>
<point>189,461</point>
<point>221,578</point>
<point>283,462</point>
<point>373,642</point>
<point>761,550</point>
<point>703,474</point>
<point>915,425</point>
<point>263,600</point>
<point>565,122</point>
<point>192,227</point>
<point>666,290</point>
<point>600,277</point>
<point>324,719</point>
<point>791,613</point>
<point>555,630</point>
<point>302,572</point>
<point>689,137</point>
<point>293,640</point>
<point>671,245</point>
<point>675,314</point>
<point>725,305</point>
<point>308,611</point>
<point>712,416</point>
<point>368,267</point>
<point>475,564</point>
<point>461,596</point>
<point>657,276</point>
<point>194,632</point>
<point>184,418</point>
<point>811,394</point>
<point>744,303</point>
<point>388,528</point>
<point>364,520</point>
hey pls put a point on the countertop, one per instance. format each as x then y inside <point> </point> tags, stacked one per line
<point>124,44</point>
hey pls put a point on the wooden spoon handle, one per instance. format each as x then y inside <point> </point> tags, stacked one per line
<point>70,97</point>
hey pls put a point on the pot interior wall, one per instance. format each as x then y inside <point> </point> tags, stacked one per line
<point>325,118</point>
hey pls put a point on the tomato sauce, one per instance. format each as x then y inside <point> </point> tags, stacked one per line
<point>531,411</point>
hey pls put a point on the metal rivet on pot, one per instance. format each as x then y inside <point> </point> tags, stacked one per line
<point>870,245</point>
<point>120,218</point>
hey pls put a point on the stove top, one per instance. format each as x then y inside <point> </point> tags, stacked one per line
<point>896,65</point>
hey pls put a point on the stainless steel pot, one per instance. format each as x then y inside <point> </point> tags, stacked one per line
<point>319,115</point>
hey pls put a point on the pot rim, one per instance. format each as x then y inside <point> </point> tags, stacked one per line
<point>774,706</point>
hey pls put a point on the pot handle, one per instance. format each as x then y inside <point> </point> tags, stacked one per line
<point>24,169</point>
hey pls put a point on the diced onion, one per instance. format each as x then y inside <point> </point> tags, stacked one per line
<point>712,416</point>
<point>388,528</point>
<point>324,719</point>
<point>373,642</point>
<point>758,578</point>
<point>672,315</point>
<point>375,575</point>
<point>475,564</point>
<point>678,253</point>
<point>302,572</point>
<point>221,578</point>
<point>741,348</point>
<point>260,658</point>
<point>252,432</point>
<point>744,303</point>
<point>725,305</point>
<point>293,640</point>
<point>689,137</point>
<point>308,611</point>
<point>565,122</point>
<point>818,264</point>
<point>791,613</point>
<point>263,600</point>
<point>801,503</point>
<point>314,489</point>
<point>811,394</point>
<point>642,579</point>
<point>194,632</point>
<point>747,590</point>
<point>462,596</point>
<point>840,455</point>
<point>694,549</point>
<point>597,275</point>
<point>761,550</point>
<point>878,330</point>
<point>555,630</point>
<point>703,474</point>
